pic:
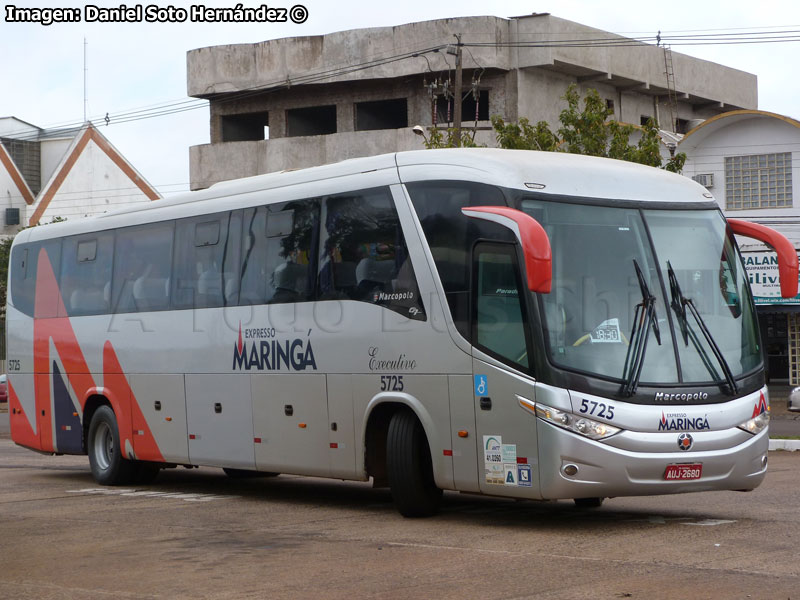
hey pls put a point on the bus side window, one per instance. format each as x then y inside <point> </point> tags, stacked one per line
<point>206,261</point>
<point>86,273</point>
<point>24,266</point>
<point>143,268</point>
<point>22,278</point>
<point>499,321</point>
<point>363,253</point>
<point>292,230</point>
<point>253,269</point>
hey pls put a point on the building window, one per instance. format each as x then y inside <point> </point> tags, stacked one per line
<point>248,127</point>
<point>682,126</point>
<point>28,158</point>
<point>610,104</point>
<point>643,119</point>
<point>382,114</point>
<point>758,181</point>
<point>470,109</point>
<point>314,120</point>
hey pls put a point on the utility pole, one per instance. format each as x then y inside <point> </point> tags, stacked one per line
<point>457,94</point>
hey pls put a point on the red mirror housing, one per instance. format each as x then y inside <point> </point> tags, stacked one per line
<point>531,236</point>
<point>787,256</point>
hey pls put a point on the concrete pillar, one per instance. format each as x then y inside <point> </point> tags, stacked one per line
<point>345,116</point>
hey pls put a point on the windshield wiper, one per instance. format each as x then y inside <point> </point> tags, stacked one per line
<point>644,318</point>
<point>679,305</point>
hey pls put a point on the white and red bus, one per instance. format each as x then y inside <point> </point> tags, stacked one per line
<point>511,323</point>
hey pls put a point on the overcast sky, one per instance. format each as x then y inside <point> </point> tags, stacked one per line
<point>137,65</point>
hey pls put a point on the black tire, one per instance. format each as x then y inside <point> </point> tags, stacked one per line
<point>588,502</point>
<point>409,467</point>
<point>103,447</point>
<point>246,473</point>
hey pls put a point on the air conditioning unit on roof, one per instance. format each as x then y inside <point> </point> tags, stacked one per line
<point>705,179</point>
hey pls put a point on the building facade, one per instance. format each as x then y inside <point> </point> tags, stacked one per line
<point>305,101</point>
<point>67,173</point>
<point>746,159</point>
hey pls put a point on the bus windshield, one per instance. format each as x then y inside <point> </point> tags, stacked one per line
<point>671,280</point>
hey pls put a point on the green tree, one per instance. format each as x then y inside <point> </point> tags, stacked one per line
<point>524,136</point>
<point>5,253</point>
<point>447,138</point>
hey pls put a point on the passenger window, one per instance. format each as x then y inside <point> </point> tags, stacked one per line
<point>278,243</point>
<point>254,256</point>
<point>86,274</point>
<point>292,230</point>
<point>24,266</point>
<point>363,254</point>
<point>450,234</point>
<point>499,323</point>
<point>206,261</point>
<point>143,268</point>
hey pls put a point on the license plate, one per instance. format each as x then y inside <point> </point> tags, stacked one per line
<point>683,472</point>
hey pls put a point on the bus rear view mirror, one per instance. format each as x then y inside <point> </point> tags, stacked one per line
<point>531,236</point>
<point>787,256</point>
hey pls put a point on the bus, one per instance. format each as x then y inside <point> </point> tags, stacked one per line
<point>510,323</point>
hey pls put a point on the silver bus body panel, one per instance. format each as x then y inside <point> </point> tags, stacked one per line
<point>656,418</point>
<point>605,471</point>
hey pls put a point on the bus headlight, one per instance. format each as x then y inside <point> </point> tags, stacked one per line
<point>756,424</point>
<point>577,424</point>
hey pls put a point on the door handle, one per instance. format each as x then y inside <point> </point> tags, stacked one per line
<point>218,407</point>
<point>486,403</point>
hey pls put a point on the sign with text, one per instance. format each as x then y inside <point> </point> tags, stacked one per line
<point>762,271</point>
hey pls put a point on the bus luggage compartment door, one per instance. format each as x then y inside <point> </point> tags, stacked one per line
<point>290,423</point>
<point>162,403</point>
<point>220,420</point>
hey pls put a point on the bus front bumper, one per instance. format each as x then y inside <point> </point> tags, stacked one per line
<point>572,466</point>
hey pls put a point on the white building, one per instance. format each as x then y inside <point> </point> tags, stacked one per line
<point>68,173</point>
<point>749,160</point>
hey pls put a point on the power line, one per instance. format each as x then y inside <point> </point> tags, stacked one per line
<point>717,37</point>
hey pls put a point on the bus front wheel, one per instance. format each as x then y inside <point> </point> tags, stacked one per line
<point>105,456</point>
<point>409,467</point>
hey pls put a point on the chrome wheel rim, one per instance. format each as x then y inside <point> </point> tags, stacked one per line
<point>103,446</point>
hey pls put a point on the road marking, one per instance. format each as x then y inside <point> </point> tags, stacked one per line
<point>127,492</point>
<point>710,522</point>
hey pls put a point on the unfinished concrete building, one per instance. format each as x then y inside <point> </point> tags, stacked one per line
<point>305,101</point>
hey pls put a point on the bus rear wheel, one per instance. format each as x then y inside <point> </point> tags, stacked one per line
<point>105,455</point>
<point>409,467</point>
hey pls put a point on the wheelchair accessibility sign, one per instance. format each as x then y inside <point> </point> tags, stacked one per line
<point>481,385</point>
<point>524,475</point>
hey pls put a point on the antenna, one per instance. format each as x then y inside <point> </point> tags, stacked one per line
<point>85,77</point>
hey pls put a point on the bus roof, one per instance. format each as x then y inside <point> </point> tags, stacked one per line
<point>548,173</point>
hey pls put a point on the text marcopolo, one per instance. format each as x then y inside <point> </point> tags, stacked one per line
<point>153,13</point>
